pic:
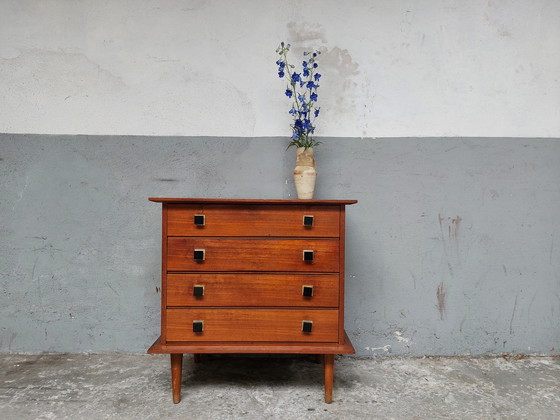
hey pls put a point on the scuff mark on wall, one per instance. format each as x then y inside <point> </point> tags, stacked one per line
<point>440,294</point>
<point>551,248</point>
<point>413,278</point>
<point>513,315</point>
<point>193,5</point>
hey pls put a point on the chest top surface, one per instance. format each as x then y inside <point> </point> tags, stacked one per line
<point>250,201</point>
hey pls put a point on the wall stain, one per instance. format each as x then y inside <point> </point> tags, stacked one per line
<point>301,32</point>
<point>450,229</point>
<point>452,226</point>
<point>336,62</point>
<point>440,293</point>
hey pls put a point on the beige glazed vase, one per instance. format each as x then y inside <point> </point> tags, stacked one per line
<point>304,173</point>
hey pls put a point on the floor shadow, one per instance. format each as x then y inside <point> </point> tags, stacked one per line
<point>252,369</point>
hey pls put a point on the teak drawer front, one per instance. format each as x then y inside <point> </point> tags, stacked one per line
<point>252,220</point>
<point>225,289</point>
<point>250,254</point>
<point>252,325</point>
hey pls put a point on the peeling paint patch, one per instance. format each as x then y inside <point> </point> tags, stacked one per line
<point>399,337</point>
<point>386,348</point>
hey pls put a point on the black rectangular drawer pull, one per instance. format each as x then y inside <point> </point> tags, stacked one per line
<point>198,290</point>
<point>306,326</point>
<point>307,255</point>
<point>199,255</point>
<point>307,291</point>
<point>198,326</point>
<point>308,221</point>
<point>199,220</point>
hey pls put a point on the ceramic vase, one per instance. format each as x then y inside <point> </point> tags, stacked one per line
<point>305,173</point>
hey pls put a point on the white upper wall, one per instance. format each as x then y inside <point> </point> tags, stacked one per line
<point>399,68</point>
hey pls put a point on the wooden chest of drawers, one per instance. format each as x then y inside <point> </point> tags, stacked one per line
<point>252,276</point>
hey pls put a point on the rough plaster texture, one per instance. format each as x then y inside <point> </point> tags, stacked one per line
<point>453,247</point>
<point>479,68</point>
<point>225,387</point>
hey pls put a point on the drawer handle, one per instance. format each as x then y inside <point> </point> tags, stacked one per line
<point>199,255</point>
<point>308,221</point>
<point>306,326</point>
<point>307,291</point>
<point>199,220</point>
<point>198,326</point>
<point>308,255</point>
<point>198,290</point>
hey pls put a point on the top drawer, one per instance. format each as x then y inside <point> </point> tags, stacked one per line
<point>252,220</point>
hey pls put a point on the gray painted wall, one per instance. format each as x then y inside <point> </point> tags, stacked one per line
<point>453,248</point>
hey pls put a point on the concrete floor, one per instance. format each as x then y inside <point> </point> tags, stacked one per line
<point>278,387</point>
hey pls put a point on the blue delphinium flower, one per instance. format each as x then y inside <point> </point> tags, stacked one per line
<point>281,66</point>
<point>303,110</point>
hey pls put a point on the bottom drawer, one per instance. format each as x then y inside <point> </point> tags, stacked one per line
<point>252,325</point>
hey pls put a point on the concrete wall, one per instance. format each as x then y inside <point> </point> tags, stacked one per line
<point>440,117</point>
<point>453,247</point>
<point>398,68</point>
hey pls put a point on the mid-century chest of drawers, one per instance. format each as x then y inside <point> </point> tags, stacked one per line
<point>252,276</point>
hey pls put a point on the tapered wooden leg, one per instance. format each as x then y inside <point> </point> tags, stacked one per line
<point>196,357</point>
<point>176,373</point>
<point>329,374</point>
